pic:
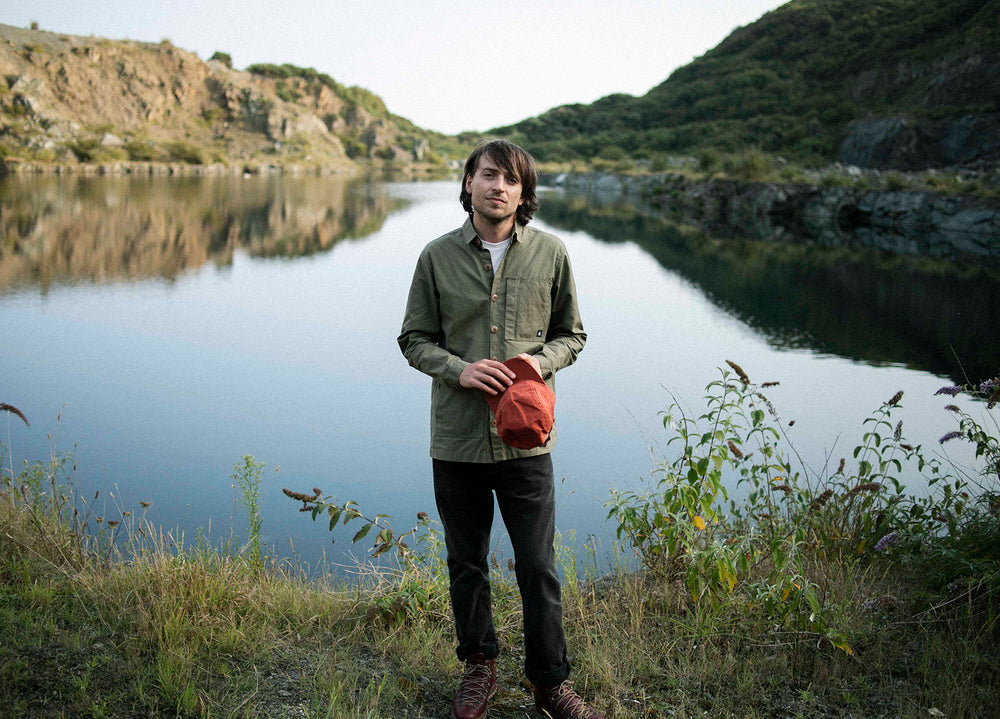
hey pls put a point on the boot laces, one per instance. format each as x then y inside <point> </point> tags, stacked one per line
<point>569,704</point>
<point>475,686</point>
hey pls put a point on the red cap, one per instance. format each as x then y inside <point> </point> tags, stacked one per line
<point>525,411</point>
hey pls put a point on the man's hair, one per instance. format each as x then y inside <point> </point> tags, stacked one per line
<point>515,162</point>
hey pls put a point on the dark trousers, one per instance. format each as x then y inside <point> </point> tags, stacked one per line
<point>525,494</point>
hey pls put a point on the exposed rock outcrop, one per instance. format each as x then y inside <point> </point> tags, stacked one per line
<point>960,123</point>
<point>62,98</point>
<point>957,227</point>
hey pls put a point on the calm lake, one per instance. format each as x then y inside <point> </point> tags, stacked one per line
<point>161,328</point>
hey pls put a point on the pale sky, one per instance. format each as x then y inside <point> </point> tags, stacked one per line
<point>447,66</point>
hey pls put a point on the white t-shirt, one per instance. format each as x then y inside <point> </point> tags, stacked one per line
<point>497,251</point>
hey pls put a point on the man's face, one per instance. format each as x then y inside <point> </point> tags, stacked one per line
<point>495,194</point>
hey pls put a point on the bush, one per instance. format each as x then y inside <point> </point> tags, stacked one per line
<point>185,152</point>
<point>223,57</point>
<point>766,550</point>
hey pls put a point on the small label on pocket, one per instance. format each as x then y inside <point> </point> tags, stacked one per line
<point>538,334</point>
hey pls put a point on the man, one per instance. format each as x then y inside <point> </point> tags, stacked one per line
<point>492,291</point>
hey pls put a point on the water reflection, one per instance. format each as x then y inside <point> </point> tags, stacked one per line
<point>63,230</point>
<point>858,304</point>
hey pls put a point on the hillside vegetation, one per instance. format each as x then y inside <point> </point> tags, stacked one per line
<point>67,99</point>
<point>905,84</point>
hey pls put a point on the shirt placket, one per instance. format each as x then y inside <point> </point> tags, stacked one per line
<point>497,310</point>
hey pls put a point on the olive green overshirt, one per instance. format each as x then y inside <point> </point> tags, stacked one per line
<point>458,312</point>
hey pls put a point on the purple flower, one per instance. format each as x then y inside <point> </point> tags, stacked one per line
<point>886,541</point>
<point>990,385</point>
<point>950,391</point>
<point>954,434</point>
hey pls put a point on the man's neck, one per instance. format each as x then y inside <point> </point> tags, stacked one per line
<point>491,231</point>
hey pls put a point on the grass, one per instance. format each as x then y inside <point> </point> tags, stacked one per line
<point>104,617</point>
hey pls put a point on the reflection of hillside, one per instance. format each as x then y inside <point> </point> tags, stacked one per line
<point>857,304</point>
<point>57,230</point>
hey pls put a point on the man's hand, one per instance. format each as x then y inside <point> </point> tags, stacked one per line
<point>533,361</point>
<point>488,375</point>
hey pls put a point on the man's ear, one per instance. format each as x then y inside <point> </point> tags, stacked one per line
<point>468,183</point>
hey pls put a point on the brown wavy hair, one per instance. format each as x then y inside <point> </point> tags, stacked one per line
<point>516,162</point>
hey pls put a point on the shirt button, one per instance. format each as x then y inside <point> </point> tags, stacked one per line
<point>495,297</point>
<point>493,423</point>
<point>488,266</point>
<point>494,329</point>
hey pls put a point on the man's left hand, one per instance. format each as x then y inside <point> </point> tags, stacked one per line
<point>532,360</point>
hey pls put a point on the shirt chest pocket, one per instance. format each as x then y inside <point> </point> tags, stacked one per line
<point>529,308</point>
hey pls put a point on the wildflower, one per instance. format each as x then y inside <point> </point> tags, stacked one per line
<point>770,384</point>
<point>735,450</point>
<point>885,542</point>
<point>112,523</point>
<point>952,408</point>
<point>13,410</point>
<point>895,398</point>
<point>950,391</point>
<point>767,403</point>
<point>989,385</point>
<point>145,504</point>
<point>840,469</point>
<point>866,487</point>
<point>739,372</point>
<point>302,497</point>
<point>898,432</point>
<point>421,516</point>
<point>954,434</point>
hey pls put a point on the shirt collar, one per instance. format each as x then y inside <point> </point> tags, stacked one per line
<point>469,232</point>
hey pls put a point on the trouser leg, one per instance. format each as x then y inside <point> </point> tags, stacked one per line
<point>526,497</point>
<point>465,505</point>
<point>525,494</point>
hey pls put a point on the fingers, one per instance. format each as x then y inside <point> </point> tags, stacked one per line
<point>488,375</point>
<point>532,360</point>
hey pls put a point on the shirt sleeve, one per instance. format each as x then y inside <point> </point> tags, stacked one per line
<point>566,337</point>
<point>421,335</point>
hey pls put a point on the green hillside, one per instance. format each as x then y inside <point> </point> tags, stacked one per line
<point>890,83</point>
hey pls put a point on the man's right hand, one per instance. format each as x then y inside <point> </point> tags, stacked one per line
<point>488,375</point>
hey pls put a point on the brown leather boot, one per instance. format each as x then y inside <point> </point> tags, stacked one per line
<point>561,702</point>
<point>479,682</point>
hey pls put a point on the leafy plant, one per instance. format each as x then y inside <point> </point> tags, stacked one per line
<point>247,475</point>
<point>762,547</point>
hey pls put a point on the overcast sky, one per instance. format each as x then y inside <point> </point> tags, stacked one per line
<point>447,66</point>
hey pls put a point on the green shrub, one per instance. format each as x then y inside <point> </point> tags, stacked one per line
<point>763,549</point>
<point>185,152</point>
<point>749,165</point>
<point>140,150</point>
<point>224,57</point>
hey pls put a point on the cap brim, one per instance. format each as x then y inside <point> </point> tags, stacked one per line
<point>523,372</point>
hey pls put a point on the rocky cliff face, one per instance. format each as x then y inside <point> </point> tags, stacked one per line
<point>959,125</point>
<point>67,99</point>
<point>909,222</point>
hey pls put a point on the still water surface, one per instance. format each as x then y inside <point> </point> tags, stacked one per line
<point>160,329</point>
